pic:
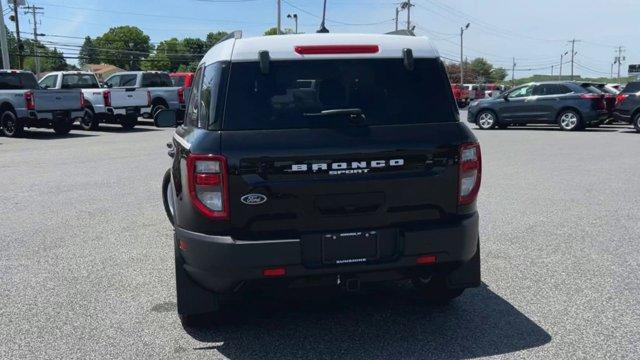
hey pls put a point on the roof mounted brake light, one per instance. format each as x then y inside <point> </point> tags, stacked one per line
<point>336,49</point>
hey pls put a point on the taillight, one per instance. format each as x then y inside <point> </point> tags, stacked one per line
<point>148,98</point>
<point>620,98</point>
<point>209,185</point>
<point>470,171</point>
<point>590,96</point>
<point>30,100</point>
<point>181,95</point>
<point>336,49</point>
<point>106,95</point>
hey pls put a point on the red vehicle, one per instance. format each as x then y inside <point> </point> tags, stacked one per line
<point>461,94</point>
<point>182,79</point>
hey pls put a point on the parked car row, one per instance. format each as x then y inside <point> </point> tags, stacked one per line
<point>64,97</point>
<point>570,105</point>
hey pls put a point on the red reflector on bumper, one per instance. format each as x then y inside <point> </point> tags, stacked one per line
<point>183,245</point>
<point>426,259</point>
<point>275,272</point>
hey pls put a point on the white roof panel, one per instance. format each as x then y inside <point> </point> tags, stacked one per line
<point>282,47</point>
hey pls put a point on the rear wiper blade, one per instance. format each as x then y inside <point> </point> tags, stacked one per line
<point>331,112</point>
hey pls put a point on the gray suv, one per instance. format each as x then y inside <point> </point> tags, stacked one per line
<point>570,105</point>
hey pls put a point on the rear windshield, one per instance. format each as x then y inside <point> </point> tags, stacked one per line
<point>12,81</point>
<point>178,80</point>
<point>79,81</point>
<point>632,87</point>
<point>156,80</point>
<point>294,93</point>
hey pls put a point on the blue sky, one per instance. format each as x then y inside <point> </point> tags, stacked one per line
<point>535,33</point>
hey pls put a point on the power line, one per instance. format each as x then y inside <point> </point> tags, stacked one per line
<point>336,21</point>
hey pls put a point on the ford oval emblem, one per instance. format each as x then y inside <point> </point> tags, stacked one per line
<point>253,199</point>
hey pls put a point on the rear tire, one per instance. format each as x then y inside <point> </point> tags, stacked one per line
<point>62,128</point>
<point>436,290</point>
<point>11,125</point>
<point>89,122</point>
<point>196,305</point>
<point>569,120</point>
<point>486,120</point>
<point>155,108</point>
<point>128,123</point>
<point>167,196</point>
<point>636,122</point>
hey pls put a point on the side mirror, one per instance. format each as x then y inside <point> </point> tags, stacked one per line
<point>505,97</point>
<point>165,118</point>
<point>108,85</point>
<point>45,87</point>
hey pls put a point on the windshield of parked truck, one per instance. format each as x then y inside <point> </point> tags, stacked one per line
<point>15,80</point>
<point>79,81</point>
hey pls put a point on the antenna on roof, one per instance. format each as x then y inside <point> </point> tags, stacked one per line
<point>323,29</point>
<point>237,34</point>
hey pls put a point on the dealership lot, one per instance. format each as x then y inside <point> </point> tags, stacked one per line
<point>87,261</point>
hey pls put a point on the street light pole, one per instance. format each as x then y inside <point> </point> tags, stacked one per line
<point>397,13</point>
<point>278,21</point>
<point>462,29</point>
<point>561,57</point>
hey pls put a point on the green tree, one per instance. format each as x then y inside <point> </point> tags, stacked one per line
<point>123,46</point>
<point>274,31</point>
<point>214,37</point>
<point>481,68</point>
<point>498,75</point>
<point>88,53</point>
<point>50,59</point>
<point>159,62</point>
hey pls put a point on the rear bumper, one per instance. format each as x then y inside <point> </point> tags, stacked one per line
<point>595,116</point>
<point>49,118</point>
<point>622,116</point>
<point>220,263</point>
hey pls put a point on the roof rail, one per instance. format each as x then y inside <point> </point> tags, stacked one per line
<point>401,32</point>
<point>237,34</point>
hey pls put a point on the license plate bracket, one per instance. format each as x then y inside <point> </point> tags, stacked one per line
<point>350,247</point>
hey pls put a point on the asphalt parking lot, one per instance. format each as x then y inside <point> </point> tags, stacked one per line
<point>87,261</point>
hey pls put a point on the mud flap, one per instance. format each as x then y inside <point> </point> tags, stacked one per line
<point>191,298</point>
<point>467,275</point>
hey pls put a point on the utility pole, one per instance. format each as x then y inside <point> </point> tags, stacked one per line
<point>561,61</point>
<point>551,70</point>
<point>34,12</point>
<point>513,72</point>
<point>620,59</point>
<point>18,41</point>
<point>3,41</point>
<point>462,29</point>
<point>573,53</point>
<point>613,63</point>
<point>278,27</point>
<point>323,29</point>
<point>397,13</point>
<point>409,15</point>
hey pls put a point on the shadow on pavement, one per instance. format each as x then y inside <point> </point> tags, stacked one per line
<point>388,321</point>
<point>119,129</point>
<point>555,128</point>
<point>51,135</point>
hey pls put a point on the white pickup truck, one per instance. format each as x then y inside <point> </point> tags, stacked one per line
<point>24,104</point>
<point>112,106</point>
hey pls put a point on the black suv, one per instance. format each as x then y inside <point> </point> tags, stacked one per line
<point>628,105</point>
<point>321,160</point>
<point>570,105</point>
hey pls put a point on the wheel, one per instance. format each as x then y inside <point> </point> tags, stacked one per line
<point>156,108</point>
<point>636,122</point>
<point>128,123</point>
<point>89,121</point>
<point>167,196</point>
<point>62,128</point>
<point>569,120</point>
<point>435,289</point>
<point>486,120</point>
<point>11,125</point>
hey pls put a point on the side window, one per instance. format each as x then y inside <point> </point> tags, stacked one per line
<point>191,116</point>
<point>49,81</point>
<point>523,91</point>
<point>113,81</point>
<point>128,80</point>
<point>563,89</point>
<point>209,94</point>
